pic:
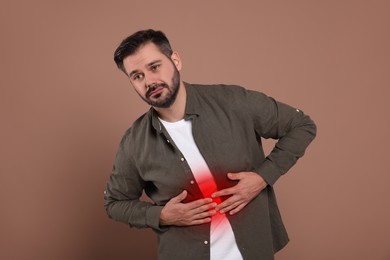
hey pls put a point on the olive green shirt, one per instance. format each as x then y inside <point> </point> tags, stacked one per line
<point>227,123</point>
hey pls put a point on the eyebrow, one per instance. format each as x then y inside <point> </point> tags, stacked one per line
<point>147,65</point>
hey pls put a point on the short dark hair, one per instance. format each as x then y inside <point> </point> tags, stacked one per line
<point>132,43</point>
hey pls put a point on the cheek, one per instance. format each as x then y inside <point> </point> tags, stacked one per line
<point>139,89</point>
<point>167,75</point>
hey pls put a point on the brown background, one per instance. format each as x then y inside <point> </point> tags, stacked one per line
<point>65,106</point>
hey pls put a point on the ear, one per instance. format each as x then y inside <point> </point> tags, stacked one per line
<point>176,60</point>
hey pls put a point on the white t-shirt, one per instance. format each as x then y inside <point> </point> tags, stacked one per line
<point>222,241</point>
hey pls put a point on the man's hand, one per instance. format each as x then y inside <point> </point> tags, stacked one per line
<point>186,214</point>
<point>249,185</point>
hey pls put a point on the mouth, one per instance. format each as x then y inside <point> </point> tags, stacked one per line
<point>155,91</point>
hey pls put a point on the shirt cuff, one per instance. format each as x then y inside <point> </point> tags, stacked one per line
<point>153,218</point>
<point>269,172</point>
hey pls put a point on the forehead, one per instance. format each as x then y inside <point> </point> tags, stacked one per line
<point>142,57</point>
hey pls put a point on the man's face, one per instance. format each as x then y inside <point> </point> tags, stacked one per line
<point>153,75</point>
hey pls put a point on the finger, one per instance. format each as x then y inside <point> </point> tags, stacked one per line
<point>198,203</point>
<point>206,214</point>
<point>204,208</point>
<point>199,221</point>
<point>224,192</point>
<point>179,198</point>
<point>230,207</point>
<point>228,202</point>
<point>234,176</point>
<point>237,209</point>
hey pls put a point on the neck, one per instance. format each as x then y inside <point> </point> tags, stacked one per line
<point>176,111</point>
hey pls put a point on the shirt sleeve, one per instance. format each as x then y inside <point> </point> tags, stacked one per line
<point>124,190</point>
<point>293,129</point>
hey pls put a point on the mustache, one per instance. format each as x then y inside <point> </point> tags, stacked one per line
<point>154,87</point>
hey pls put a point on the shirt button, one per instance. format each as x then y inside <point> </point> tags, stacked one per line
<point>192,182</point>
<point>297,110</point>
<point>182,159</point>
<point>206,242</point>
<point>105,192</point>
<point>167,141</point>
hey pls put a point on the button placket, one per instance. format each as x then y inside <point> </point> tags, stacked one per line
<point>182,159</point>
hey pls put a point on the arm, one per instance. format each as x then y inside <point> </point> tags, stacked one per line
<point>124,189</point>
<point>122,199</point>
<point>276,120</point>
<point>293,129</point>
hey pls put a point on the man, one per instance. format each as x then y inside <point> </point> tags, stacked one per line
<point>197,154</point>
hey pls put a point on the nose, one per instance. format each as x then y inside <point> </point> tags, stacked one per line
<point>150,80</point>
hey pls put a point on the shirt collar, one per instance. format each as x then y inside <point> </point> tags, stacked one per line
<point>192,108</point>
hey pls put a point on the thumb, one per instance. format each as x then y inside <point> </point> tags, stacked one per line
<point>234,176</point>
<point>180,197</point>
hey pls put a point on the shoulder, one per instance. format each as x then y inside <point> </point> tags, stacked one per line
<point>137,129</point>
<point>219,92</point>
<point>217,88</point>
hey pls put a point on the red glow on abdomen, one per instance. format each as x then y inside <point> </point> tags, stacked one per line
<point>207,185</point>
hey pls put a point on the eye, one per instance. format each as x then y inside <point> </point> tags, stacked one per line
<point>154,67</point>
<point>137,76</point>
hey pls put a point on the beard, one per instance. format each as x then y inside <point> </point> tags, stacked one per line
<point>170,98</point>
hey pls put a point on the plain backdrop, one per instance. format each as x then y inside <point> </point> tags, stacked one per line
<point>64,107</point>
